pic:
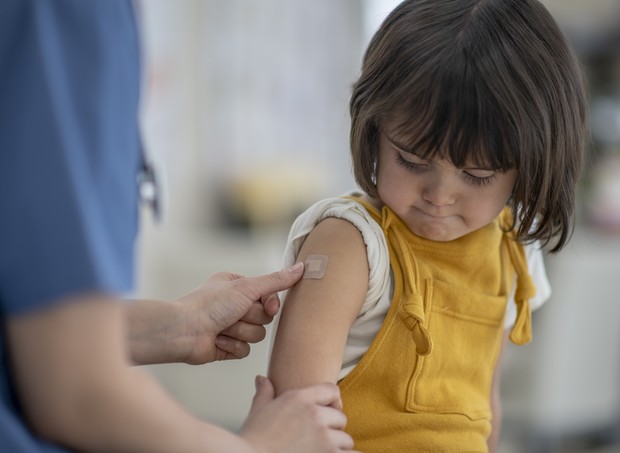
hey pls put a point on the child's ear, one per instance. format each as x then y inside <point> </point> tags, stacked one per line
<point>373,176</point>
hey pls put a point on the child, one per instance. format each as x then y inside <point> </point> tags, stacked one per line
<point>467,139</point>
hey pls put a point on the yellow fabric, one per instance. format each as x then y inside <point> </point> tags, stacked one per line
<point>425,382</point>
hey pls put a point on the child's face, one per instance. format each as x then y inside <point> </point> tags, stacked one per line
<point>437,200</point>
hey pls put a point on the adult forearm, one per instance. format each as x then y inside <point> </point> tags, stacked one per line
<point>76,387</point>
<point>135,414</point>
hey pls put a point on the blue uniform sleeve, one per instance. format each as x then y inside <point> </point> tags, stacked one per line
<point>69,149</point>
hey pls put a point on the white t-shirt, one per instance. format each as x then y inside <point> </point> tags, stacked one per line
<point>380,284</point>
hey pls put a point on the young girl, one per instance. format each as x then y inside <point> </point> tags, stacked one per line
<point>467,140</point>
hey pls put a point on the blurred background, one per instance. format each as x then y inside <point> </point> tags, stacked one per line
<point>245,112</point>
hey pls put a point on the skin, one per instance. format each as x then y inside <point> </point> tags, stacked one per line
<point>436,200</point>
<point>71,364</point>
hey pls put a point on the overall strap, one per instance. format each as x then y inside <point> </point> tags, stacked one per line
<point>407,287</point>
<point>521,332</point>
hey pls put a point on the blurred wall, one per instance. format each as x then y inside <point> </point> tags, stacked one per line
<point>246,113</point>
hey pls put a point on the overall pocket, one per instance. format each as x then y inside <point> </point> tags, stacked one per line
<point>466,329</point>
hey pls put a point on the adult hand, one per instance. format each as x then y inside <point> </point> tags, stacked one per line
<point>300,420</point>
<point>217,321</point>
<point>229,311</point>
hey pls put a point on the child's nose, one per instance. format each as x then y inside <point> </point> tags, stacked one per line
<point>439,192</point>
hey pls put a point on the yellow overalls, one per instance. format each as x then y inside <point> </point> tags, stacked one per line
<point>424,384</point>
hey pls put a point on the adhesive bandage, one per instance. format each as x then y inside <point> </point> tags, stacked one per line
<point>315,266</point>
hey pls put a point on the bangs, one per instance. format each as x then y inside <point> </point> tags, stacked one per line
<point>456,117</point>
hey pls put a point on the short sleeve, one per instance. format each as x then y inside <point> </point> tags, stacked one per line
<point>69,149</point>
<point>374,239</point>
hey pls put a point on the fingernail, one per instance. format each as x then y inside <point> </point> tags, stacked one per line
<point>296,267</point>
<point>258,381</point>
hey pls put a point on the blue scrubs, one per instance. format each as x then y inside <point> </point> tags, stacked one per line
<point>69,158</point>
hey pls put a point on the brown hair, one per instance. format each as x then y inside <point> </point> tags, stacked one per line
<point>494,81</point>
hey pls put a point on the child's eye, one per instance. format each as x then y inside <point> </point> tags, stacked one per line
<point>415,164</point>
<point>480,180</point>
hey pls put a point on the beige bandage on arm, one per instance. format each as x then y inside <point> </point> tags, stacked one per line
<point>315,266</point>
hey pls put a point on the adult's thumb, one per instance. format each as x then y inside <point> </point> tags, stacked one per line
<point>265,392</point>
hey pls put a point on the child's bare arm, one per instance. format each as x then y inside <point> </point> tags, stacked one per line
<point>318,312</point>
